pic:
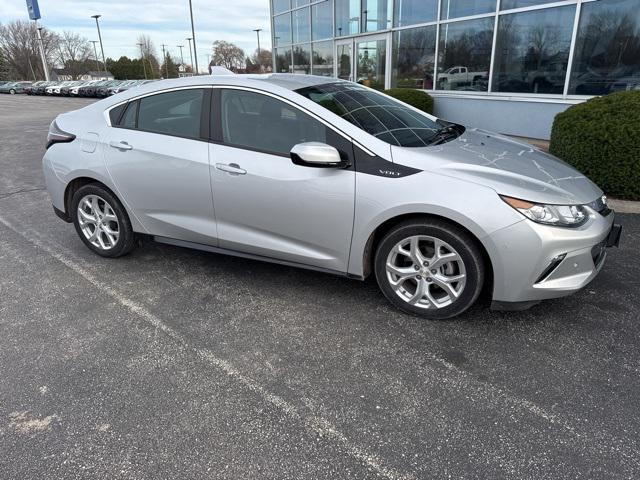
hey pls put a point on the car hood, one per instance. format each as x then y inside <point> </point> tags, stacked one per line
<point>508,166</point>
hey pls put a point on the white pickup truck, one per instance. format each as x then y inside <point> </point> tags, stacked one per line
<point>459,75</point>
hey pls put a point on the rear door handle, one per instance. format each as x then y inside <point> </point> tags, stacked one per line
<point>232,168</point>
<point>120,145</point>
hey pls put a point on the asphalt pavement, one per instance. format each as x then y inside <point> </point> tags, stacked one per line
<point>172,363</point>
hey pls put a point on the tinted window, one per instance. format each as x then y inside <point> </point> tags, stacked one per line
<point>414,57</point>
<point>283,60</point>
<point>607,50</point>
<point>410,12</point>
<point>128,120</point>
<point>323,59</point>
<point>172,113</point>
<point>532,51</point>
<point>115,113</point>
<point>376,114</point>
<point>264,123</point>
<point>302,59</point>
<point>465,44</point>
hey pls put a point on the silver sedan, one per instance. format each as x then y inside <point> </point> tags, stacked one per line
<point>332,176</point>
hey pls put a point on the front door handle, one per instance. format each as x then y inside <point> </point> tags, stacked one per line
<point>120,145</point>
<point>232,168</point>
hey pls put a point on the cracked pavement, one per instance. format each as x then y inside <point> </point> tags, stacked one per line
<point>171,363</point>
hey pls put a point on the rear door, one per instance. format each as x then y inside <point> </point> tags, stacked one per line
<point>158,158</point>
<point>265,204</point>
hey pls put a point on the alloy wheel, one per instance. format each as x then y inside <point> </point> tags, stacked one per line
<point>98,222</point>
<point>426,272</point>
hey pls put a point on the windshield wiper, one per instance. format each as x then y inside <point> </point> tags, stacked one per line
<point>443,134</point>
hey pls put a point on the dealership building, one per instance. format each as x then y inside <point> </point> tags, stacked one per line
<point>504,65</point>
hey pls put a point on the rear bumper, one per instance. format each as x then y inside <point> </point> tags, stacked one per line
<point>533,262</point>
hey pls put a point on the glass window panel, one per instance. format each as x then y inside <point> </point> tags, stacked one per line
<point>344,61</point>
<point>299,3</point>
<point>464,8</point>
<point>300,26</point>
<point>607,51</point>
<point>280,6</point>
<point>347,17</point>
<point>532,51</point>
<point>301,59</point>
<point>509,4</point>
<point>282,27</point>
<point>464,55</point>
<point>414,57</point>
<point>263,123</point>
<point>322,59</point>
<point>370,66</point>
<point>410,12</point>
<point>172,113</point>
<point>376,15</point>
<point>322,20</point>
<point>283,60</point>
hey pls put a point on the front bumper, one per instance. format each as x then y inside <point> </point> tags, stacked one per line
<point>533,262</point>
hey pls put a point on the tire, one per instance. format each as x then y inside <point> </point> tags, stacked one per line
<point>115,236</point>
<point>12,91</point>
<point>459,268</point>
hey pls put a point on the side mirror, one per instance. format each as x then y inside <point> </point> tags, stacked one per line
<point>316,154</point>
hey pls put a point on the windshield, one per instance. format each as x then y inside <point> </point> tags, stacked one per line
<point>377,114</point>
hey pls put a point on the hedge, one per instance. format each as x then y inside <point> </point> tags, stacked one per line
<point>415,98</point>
<point>601,138</point>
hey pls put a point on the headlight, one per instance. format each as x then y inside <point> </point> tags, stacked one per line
<point>558,215</point>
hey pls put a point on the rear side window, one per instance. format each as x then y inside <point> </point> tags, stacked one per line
<point>128,120</point>
<point>263,123</point>
<point>173,113</point>
<point>115,113</point>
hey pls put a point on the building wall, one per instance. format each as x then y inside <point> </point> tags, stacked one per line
<point>507,65</point>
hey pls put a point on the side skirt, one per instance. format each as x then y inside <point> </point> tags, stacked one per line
<point>234,253</point>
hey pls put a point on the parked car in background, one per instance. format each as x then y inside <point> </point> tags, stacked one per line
<point>64,90</point>
<point>300,175</point>
<point>30,88</point>
<point>103,90</point>
<point>14,87</point>
<point>40,89</point>
<point>90,90</point>
<point>78,90</point>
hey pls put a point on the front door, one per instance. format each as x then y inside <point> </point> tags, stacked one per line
<point>364,60</point>
<point>265,204</point>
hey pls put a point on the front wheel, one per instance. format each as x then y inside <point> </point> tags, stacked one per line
<point>101,221</point>
<point>12,91</point>
<point>430,268</point>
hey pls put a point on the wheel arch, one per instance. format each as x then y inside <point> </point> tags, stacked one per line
<point>383,228</point>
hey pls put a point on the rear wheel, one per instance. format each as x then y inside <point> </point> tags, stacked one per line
<point>12,91</point>
<point>430,268</point>
<point>101,221</point>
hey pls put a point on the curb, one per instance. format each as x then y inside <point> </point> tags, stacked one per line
<point>624,206</point>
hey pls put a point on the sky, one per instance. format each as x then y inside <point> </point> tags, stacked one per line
<point>165,21</point>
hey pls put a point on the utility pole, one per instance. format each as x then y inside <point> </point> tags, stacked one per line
<point>190,53</point>
<point>193,36</point>
<point>166,67</point>
<point>143,65</point>
<point>95,51</point>
<point>104,64</point>
<point>41,46</point>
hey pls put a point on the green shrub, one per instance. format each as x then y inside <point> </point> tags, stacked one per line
<point>601,138</point>
<point>415,98</point>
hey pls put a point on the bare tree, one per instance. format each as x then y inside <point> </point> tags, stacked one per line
<point>149,53</point>
<point>228,55</point>
<point>19,44</point>
<point>75,54</point>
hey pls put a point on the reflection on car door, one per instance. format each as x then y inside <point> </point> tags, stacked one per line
<point>160,164</point>
<point>265,205</point>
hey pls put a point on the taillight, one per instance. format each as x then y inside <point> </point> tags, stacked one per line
<point>56,135</point>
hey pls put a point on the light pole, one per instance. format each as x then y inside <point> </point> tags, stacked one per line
<point>143,65</point>
<point>258,30</point>
<point>104,64</point>
<point>181,56</point>
<point>190,53</point>
<point>44,58</point>
<point>95,51</point>
<point>193,36</point>
<point>166,67</point>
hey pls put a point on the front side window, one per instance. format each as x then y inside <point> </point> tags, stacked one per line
<point>607,51</point>
<point>263,123</point>
<point>532,51</point>
<point>172,113</point>
<point>375,113</point>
